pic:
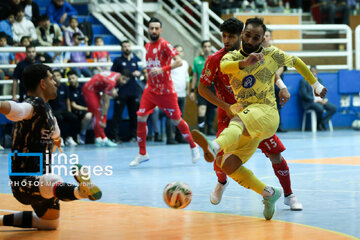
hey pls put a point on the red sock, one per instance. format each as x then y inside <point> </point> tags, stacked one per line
<point>185,131</point>
<point>220,174</point>
<point>141,137</point>
<point>283,174</point>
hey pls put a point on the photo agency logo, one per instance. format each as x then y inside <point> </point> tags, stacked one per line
<point>59,164</point>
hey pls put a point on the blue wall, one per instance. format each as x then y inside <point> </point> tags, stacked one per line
<point>291,114</point>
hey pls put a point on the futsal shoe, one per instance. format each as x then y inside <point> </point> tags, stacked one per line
<point>292,201</point>
<point>87,189</point>
<point>99,142</point>
<point>108,143</point>
<point>139,159</point>
<point>205,144</point>
<point>269,202</point>
<point>195,154</point>
<point>216,194</point>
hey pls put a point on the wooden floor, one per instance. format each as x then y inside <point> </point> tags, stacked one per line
<point>93,220</point>
<point>325,178</point>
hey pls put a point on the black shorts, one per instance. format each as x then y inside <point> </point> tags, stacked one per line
<point>202,101</point>
<point>26,190</point>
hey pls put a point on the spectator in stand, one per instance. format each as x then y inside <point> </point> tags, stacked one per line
<point>102,56</point>
<point>20,56</point>
<point>330,8</point>
<point>55,56</point>
<point>78,57</point>
<point>126,92</point>
<point>17,76</point>
<point>5,58</point>
<point>7,6</point>
<point>78,106</point>
<point>47,32</point>
<point>6,27</point>
<point>23,27</point>
<point>60,12</point>
<point>67,120</point>
<point>31,10</point>
<point>180,78</point>
<point>70,30</point>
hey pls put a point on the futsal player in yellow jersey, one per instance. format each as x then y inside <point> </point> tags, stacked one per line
<point>251,72</point>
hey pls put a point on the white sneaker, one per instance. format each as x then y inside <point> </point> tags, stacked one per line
<point>139,159</point>
<point>292,201</point>
<point>195,154</point>
<point>62,144</point>
<point>1,148</point>
<point>108,143</point>
<point>216,194</point>
<point>99,142</point>
<point>69,141</point>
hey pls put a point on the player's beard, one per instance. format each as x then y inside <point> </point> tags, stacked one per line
<point>248,48</point>
<point>154,37</point>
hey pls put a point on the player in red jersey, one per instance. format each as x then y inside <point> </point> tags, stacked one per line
<point>224,98</point>
<point>159,91</point>
<point>103,82</point>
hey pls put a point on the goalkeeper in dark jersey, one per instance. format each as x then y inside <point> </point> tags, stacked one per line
<point>36,131</point>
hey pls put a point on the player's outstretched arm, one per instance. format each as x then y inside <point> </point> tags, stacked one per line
<point>301,67</point>
<point>16,111</point>
<point>229,65</point>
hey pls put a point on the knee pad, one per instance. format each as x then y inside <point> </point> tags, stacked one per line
<point>45,224</point>
<point>47,183</point>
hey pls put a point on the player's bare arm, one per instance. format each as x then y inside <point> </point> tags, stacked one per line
<point>206,93</point>
<point>284,94</point>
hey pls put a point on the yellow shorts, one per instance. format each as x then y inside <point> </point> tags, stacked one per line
<point>261,122</point>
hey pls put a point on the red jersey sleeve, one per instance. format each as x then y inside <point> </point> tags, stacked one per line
<point>208,74</point>
<point>169,49</point>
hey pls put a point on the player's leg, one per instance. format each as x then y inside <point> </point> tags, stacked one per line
<point>147,106</point>
<point>169,104</point>
<point>272,147</point>
<point>201,102</point>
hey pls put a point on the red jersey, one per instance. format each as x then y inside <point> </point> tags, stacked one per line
<point>212,74</point>
<point>159,54</point>
<point>102,82</point>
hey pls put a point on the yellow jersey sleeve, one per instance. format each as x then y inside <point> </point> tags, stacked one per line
<point>230,63</point>
<point>304,71</point>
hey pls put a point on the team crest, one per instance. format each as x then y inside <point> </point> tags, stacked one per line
<point>248,81</point>
<point>207,72</point>
<point>154,50</point>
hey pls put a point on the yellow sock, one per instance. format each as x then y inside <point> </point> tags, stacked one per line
<point>230,135</point>
<point>246,178</point>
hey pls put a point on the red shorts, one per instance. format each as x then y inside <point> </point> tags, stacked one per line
<point>168,103</point>
<point>271,145</point>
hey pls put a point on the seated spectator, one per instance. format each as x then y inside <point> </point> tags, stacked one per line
<point>68,121</point>
<point>330,9</point>
<point>47,32</point>
<point>78,106</point>
<point>310,101</point>
<point>56,56</point>
<point>78,57</point>
<point>23,27</point>
<point>31,10</point>
<point>102,56</point>
<point>5,58</point>
<point>6,27</point>
<point>7,6</point>
<point>60,12</point>
<point>70,30</point>
<point>20,56</point>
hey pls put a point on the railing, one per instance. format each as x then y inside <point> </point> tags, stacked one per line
<point>137,49</point>
<point>205,22</point>
<point>357,47</point>
<point>348,53</point>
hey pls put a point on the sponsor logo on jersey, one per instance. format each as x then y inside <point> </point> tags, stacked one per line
<point>248,81</point>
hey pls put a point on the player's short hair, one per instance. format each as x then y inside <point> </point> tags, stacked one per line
<point>232,25</point>
<point>256,22</point>
<point>153,19</point>
<point>205,41</point>
<point>33,74</point>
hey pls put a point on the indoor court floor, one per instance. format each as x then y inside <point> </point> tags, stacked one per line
<point>325,174</point>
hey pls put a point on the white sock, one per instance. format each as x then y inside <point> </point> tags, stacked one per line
<point>216,146</point>
<point>268,192</point>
